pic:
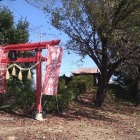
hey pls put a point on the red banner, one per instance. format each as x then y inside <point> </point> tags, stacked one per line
<point>3,67</point>
<point>52,70</point>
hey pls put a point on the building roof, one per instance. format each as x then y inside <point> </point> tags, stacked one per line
<point>86,71</point>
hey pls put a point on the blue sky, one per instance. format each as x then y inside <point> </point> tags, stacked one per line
<point>39,25</point>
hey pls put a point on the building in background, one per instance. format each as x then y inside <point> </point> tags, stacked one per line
<point>88,71</point>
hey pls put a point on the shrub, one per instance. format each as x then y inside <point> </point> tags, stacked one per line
<point>24,99</point>
<point>61,83</point>
<point>19,98</point>
<point>132,89</point>
<point>64,97</point>
<point>75,87</point>
<point>82,82</point>
<point>118,92</point>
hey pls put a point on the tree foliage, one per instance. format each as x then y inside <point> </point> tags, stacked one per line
<point>105,30</point>
<point>129,77</point>
<point>15,33</point>
<point>11,33</point>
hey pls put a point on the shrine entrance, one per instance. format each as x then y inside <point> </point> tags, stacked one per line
<point>38,59</point>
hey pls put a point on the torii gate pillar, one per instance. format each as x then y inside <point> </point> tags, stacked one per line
<point>38,80</point>
<point>38,115</point>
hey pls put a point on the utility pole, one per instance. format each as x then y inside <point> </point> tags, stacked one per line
<point>40,36</point>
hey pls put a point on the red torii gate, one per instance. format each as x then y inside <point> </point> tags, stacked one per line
<point>38,48</point>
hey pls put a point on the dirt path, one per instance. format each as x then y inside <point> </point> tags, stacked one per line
<point>79,122</point>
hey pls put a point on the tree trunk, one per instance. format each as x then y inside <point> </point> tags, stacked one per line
<point>101,93</point>
<point>103,78</point>
<point>138,93</point>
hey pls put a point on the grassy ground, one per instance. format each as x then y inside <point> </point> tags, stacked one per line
<point>116,120</point>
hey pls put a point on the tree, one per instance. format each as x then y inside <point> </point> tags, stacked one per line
<point>129,77</point>
<point>12,33</point>
<point>105,30</point>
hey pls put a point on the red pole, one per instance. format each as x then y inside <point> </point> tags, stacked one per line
<point>38,80</point>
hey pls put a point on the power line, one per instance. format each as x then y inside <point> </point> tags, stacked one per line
<point>34,28</point>
<point>18,13</point>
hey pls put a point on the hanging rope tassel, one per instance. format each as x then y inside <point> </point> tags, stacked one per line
<point>29,76</point>
<point>14,71</point>
<point>20,76</point>
<point>7,75</point>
